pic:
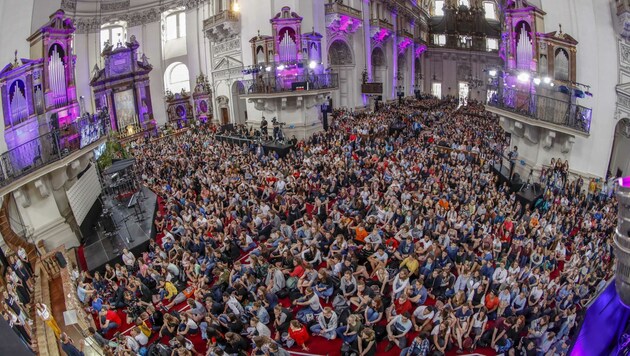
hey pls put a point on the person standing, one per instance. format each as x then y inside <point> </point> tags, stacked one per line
<point>44,313</point>
<point>67,345</point>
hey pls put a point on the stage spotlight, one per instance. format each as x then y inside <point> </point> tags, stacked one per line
<point>312,64</point>
<point>493,72</point>
<point>537,81</point>
<point>268,69</point>
<point>523,77</point>
<point>547,80</point>
<point>281,67</point>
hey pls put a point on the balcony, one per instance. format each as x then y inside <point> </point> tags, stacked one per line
<point>342,18</point>
<point>404,33</point>
<point>542,111</point>
<point>52,147</point>
<point>222,26</point>
<point>290,85</point>
<point>380,29</point>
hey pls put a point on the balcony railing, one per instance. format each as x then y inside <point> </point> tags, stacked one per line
<point>48,148</point>
<point>336,8</point>
<point>543,108</point>
<point>404,33</point>
<point>221,17</point>
<point>382,24</point>
<point>296,83</point>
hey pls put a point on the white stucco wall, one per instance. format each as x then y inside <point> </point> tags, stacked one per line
<point>591,24</point>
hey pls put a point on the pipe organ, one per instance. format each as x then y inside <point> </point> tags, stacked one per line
<point>524,50</point>
<point>19,108</point>
<point>57,77</point>
<point>287,48</point>
<point>39,93</point>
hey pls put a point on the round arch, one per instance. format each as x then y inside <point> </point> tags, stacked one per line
<point>619,164</point>
<point>177,77</point>
<point>339,53</point>
<point>239,105</point>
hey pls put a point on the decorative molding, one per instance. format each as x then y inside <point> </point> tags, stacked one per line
<point>115,6</point>
<point>226,46</point>
<point>121,11</point>
<point>624,53</point>
<point>68,5</point>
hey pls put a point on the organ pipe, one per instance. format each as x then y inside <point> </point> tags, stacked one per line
<point>523,50</point>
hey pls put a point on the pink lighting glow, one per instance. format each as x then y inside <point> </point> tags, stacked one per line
<point>624,182</point>
<point>381,35</point>
<point>402,46</point>
<point>421,49</point>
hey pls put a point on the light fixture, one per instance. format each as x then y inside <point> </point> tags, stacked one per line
<point>547,80</point>
<point>551,84</point>
<point>281,67</point>
<point>493,72</point>
<point>236,7</point>
<point>537,81</point>
<point>268,69</point>
<point>312,64</point>
<point>523,77</point>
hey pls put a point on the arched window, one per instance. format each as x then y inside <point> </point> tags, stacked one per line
<point>464,3</point>
<point>339,53</point>
<point>490,10</point>
<point>113,32</point>
<point>561,64</point>
<point>175,24</point>
<point>176,77</point>
<point>438,8</point>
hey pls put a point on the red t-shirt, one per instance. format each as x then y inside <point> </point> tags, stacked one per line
<point>300,336</point>
<point>402,308</point>
<point>113,317</point>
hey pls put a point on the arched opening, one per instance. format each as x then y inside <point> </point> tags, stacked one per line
<point>341,59</point>
<point>340,54</point>
<point>240,105</point>
<point>378,65</point>
<point>176,78</point>
<point>403,71</point>
<point>619,164</point>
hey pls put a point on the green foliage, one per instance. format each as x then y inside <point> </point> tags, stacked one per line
<point>113,150</point>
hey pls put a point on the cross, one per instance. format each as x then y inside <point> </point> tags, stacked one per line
<point>560,25</point>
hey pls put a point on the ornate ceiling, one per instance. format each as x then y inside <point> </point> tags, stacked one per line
<point>89,15</point>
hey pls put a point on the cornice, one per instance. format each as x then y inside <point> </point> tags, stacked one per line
<point>91,21</point>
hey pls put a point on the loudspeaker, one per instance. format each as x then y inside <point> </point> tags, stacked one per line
<point>60,259</point>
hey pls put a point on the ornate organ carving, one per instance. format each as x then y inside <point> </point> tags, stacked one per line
<point>39,94</point>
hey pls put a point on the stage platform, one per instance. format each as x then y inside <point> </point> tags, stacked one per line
<point>132,230</point>
<point>282,149</point>
<point>526,194</point>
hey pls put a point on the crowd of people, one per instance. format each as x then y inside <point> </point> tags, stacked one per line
<point>17,296</point>
<point>389,239</point>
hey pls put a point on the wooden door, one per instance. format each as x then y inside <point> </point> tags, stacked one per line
<point>225,116</point>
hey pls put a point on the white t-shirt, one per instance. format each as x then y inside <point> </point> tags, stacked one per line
<point>419,313</point>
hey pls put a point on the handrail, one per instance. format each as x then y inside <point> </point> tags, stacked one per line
<point>381,23</point>
<point>404,33</point>
<point>223,16</point>
<point>333,8</point>
<point>285,84</point>
<point>543,108</point>
<point>48,148</point>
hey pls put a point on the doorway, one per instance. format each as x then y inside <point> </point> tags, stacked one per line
<point>463,94</point>
<point>225,116</point>
<point>619,163</point>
